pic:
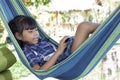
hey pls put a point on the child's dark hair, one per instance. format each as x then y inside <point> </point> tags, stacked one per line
<point>20,23</point>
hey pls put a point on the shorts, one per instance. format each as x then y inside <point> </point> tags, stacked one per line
<point>67,51</point>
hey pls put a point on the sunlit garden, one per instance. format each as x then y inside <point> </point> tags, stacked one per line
<point>58,20</point>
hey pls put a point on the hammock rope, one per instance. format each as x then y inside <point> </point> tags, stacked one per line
<point>83,60</point>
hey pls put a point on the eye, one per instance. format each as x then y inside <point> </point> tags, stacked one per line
<point>36,29</point>
<point>30,31</point>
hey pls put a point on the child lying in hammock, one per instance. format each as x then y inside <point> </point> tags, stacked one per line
<point>40,53</point>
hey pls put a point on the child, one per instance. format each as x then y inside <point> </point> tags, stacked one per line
<point>40,53</point>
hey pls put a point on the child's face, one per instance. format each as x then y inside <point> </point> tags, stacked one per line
<point>30,36</point>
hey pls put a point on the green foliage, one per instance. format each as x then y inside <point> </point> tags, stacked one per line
<point>1,28</point>
<point>45,2</point>
<point>18,70</point>
<point>36,2</point>
<point>65,17</point>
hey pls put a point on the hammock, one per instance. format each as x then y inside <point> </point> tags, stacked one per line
<point>83,60</point>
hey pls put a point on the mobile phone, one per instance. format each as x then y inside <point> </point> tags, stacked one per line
<point>67,40</point>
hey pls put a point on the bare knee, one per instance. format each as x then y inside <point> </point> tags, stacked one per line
<point>84,26</point>
<point>87,26</point>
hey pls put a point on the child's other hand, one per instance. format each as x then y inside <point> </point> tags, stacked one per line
<point>36,66</point>
<point>63,44</point>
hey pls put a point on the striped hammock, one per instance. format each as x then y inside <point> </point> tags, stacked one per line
<point>83,60</point>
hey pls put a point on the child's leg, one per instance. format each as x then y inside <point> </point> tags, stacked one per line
<point>82,33</point>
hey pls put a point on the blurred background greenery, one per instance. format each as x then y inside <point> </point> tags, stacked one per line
<point>57,16</point>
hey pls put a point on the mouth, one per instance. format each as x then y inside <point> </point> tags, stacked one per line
<point>35,39</point>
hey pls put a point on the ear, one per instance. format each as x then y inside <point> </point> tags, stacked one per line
<point>18,36</point>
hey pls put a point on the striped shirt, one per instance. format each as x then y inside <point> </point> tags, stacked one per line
<point>39,53</point>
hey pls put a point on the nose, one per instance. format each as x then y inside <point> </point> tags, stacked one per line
<point>36,33</point>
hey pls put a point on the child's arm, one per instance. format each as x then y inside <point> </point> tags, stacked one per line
<point>49,63</point>
<point>54,58</point>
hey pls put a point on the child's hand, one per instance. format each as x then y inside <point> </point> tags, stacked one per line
<point>62,44</point>
<point>36,66</point>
